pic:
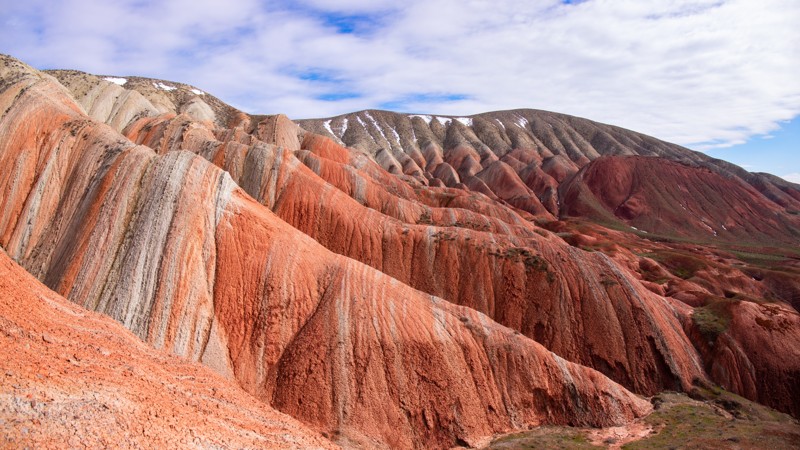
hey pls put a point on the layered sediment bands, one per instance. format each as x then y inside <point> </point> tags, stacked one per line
<point>170,247</point>
<point>349,349</point>
<point>751,349</point>
<point>118,101</point>
<point>542,148</point>
<point>354,336</point>
<point>669,198</point>
<point>75,378</point>
<point>534,283</point>
<point>108,224</point>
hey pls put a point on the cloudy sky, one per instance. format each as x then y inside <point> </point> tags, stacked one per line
<point>713,75</point>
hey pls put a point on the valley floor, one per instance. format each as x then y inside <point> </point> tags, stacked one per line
<point>715,419</point>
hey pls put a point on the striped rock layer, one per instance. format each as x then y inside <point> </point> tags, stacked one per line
<point>347,292</point>
<point>168,245</point>
<point>75,378</point>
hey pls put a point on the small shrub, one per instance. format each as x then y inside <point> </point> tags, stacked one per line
<point>608,282</point>
<point>425,218</point>
<point>679,264</point>
<point>713,319</point>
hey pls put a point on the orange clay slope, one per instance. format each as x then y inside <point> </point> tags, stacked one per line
<point>75,378</point>
<point>518,273</point>
<point>169,246</point>
<point>465,248</point>
<point>473,246</point>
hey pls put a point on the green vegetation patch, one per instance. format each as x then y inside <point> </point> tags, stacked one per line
<point>714,318</point>
<point>544,437</point>
<point>679,264</point>
<point>425,218</point>
<point>761,260</point>
<point>531,260</point>
<point>711,418</point>
<point>723,421</point>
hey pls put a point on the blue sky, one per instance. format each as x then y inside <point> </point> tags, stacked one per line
<point>776,153</point>
<point>714,75</point>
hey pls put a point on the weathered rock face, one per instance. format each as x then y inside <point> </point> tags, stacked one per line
<point>75,378</point>
<point>518,274</point>
<point>752,349</point>
<point>366,352</point>
<point>169,246</point>
<point>669,198</point>
<point>364,302</point>
<point>404,246</point>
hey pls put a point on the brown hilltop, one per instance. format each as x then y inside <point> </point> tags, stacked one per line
<point>413,290</point>
<point>119,100</point>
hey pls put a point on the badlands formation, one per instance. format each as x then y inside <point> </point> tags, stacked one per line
<point>374,280</point>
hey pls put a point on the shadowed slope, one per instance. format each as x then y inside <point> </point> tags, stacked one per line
<point>668,198</point>
<point>752,349</point>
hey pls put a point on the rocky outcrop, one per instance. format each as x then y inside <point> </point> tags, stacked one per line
<point>519,274</point>
<point>75,378</point>
<point>167,244</point>
<point>752,349</point>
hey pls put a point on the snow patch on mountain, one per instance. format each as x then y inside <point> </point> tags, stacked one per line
<point>424,117</point>
<point>115,80</point>
<point>163,87</point>
<point>375,124</point>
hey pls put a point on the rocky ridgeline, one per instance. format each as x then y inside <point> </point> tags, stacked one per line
<point>360,295</point>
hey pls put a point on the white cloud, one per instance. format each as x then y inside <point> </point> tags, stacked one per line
<point>705,73</point>
<point>793,177</point>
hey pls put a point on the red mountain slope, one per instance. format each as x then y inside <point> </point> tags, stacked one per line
<point>517,276</point>
<point>74,378</point>
<point>169,246</point>
<point>373,305</point>
<point>669,198</point>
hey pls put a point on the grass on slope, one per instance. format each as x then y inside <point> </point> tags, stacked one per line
<point>718,420</point>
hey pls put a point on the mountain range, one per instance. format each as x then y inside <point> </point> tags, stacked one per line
<point>371,280</point>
